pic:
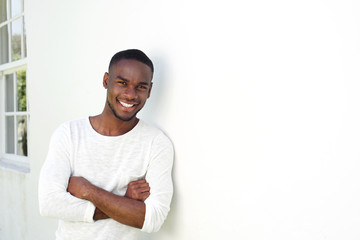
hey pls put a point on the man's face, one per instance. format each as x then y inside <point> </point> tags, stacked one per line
<point>128,85</point>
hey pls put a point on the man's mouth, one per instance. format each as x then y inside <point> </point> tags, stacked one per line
<point>127,105</point>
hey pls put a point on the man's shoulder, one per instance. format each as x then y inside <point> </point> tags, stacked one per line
<point>150,129</point>
<point>71,125</point>
<point>78,123</point>
<point>154,132</point>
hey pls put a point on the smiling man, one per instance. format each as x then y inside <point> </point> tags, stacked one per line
<point>107,176</point>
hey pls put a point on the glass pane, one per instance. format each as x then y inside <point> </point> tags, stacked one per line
<point>21,135</point>
<point>16,7</point>
<point>9,93</point>
<point>24,35</point>
<point>3,7</point>
<point>9,135</point>
<point>21,90</point>
<point>16,28</point>
<point>4,44</point>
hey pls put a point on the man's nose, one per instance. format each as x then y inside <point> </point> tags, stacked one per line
<point>130,93</point>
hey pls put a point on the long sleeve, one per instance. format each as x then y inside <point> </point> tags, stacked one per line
<point>161,188</point>
<point>54,200</point>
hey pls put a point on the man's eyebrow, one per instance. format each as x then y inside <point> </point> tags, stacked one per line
<point>144,83</point>
<point>122,78</point>
<point>126,80</point>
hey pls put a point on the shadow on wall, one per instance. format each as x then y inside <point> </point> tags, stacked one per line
<point>151,114</point>
<point>169,227</point>
<point>153,108</point>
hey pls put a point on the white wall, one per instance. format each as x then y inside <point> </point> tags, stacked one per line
<point>13,205</point>
<point>259,97</point>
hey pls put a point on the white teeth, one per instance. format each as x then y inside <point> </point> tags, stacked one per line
<point>126,105</point>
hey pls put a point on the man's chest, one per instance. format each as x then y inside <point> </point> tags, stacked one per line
<point>110,166</point>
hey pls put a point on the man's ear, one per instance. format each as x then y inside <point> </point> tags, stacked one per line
<point>106,80</point>
<point>150,87</point>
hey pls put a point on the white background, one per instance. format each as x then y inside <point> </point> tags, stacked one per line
<point>261,100</point>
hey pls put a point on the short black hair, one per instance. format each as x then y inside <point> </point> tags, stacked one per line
<point>135,54</point>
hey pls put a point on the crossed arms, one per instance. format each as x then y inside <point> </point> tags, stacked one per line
<point>75,199</point>
<point>129,210</point>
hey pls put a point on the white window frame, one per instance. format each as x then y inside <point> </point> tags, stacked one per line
<point>8,22</point>
<point>13,161</point>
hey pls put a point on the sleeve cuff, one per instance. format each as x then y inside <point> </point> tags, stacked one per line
<point>89,213</point>
<point>146,226</point>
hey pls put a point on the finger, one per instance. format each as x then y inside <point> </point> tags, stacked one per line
<point>144,189</point>
<point>145,196</point>
<point>141,185</point>
<point>141,190</point>
<point>137,182</point>
<point>138,185</point>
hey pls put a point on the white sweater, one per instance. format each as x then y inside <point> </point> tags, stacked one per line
<point>110,163</point>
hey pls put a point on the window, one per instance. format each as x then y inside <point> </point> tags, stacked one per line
<point>14,109</point>
<point>12,31</point>
<point>16,115</point>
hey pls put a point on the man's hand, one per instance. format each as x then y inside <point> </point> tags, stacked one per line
<point>138,190</point>
<point>129,210</point>
<point>79,187</point>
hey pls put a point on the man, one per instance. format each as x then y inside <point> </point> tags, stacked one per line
<point>106,175</point>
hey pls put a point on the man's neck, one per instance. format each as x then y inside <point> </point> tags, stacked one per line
<point>109,125</point>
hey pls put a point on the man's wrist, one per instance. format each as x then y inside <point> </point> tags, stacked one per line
<point>89,192</point>
<point>98,214</point>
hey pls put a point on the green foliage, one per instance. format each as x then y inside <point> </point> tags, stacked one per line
<point>21,101</point>
<point>21,90</point>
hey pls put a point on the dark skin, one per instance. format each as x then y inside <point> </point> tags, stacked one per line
<point>137,190</point>
<point>129,210</point>
<point>128,85</point>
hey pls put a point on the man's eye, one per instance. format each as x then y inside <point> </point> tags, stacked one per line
<point>142,87</point>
